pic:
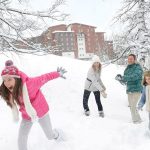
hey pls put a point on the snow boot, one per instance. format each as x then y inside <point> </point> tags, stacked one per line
<point>60,135</point>
<point>87,112</point>
<point>101,114</point>
<point>137,122</point>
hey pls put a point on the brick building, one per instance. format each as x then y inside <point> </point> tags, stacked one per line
<point>65,40</point>
<point>75,40</point>
<point>100,42</point>
<point>85,39</point>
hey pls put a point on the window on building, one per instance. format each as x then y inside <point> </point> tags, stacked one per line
<point>61,39</point>
<point>81,54</point>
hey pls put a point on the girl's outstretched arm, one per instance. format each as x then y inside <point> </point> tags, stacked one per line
<point>39,81</point>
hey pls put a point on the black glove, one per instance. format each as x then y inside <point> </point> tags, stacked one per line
<point>118,77</point>
<point>61,71</point>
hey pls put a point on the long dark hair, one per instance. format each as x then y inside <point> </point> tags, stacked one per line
<point>17,92</point>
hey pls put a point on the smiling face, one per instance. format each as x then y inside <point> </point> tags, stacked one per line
<point>9,82</point>
<point>131,60</point>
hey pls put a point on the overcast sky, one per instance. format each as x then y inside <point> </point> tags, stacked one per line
<point>98,13</point>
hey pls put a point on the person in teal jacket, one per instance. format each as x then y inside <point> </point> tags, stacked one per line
<point>133,79</point>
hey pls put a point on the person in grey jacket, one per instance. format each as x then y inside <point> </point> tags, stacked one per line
<point>94,84</point>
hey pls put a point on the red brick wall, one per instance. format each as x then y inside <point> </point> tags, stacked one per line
<point>49,35</point>
<point>109,47</point>
<point>99,40</point>
<point>89,31</point>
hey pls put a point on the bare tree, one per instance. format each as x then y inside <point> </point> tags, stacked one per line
<point>134,16</point>
<point>15,22</point>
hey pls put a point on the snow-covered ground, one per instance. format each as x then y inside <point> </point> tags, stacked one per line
<point>114,132</point>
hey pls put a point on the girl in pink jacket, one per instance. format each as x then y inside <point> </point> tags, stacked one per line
<point>19,90</point>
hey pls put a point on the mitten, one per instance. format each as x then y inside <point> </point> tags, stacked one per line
<point>118,77</point>
<point>61,71</point>
<point>104,94</point>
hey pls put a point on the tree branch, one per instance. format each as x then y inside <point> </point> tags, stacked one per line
<point>116,19</point>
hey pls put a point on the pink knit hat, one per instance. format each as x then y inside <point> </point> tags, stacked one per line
<point>10,70</point>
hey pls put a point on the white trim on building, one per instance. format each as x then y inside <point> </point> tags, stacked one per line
<point>81,47</point>
<point>68,54</point>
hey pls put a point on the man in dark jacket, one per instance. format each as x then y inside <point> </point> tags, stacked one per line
<point>133,78</point>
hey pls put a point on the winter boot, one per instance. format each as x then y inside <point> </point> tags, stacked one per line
<point>101,114</point>
<point>87,112</point>
<point>60,136</point>
<point>137,122</point>
<point>56,134</point>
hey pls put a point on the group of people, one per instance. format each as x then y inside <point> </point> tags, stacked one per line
<point>23,92</point>
<point>138,88</point>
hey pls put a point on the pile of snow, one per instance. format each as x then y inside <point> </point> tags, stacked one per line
<point>114,132</point>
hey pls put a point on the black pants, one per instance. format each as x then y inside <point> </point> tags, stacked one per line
<point>97,98</point>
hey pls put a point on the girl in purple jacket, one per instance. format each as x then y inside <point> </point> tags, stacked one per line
<point>20,91</point>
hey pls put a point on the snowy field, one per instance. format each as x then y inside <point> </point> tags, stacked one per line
<point>114,132</point>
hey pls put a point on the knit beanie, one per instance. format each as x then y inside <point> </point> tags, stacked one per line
<point>10,70</point>
<point>95,58</point>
